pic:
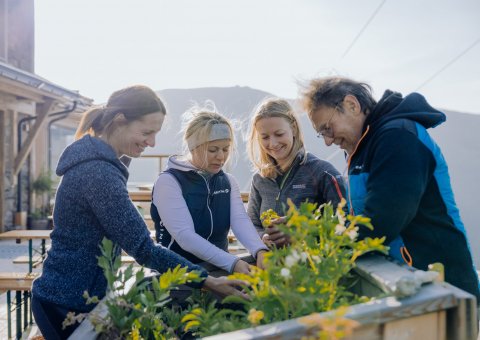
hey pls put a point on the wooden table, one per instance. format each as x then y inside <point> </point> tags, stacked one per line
<point>29,235</point>
<point>140,195</point>
<point>146,195</point>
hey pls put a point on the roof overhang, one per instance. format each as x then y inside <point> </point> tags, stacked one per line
<point>28,86</point>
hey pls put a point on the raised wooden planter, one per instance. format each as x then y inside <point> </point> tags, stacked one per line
<point>409,310</point>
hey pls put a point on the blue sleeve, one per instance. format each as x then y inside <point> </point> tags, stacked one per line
<point>400,169</point>
<point>108,198</point>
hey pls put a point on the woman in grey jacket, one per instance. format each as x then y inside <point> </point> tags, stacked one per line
<point>284,169</point>
<point>92,202</point>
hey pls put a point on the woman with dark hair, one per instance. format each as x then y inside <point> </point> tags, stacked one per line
<point>92,202</point>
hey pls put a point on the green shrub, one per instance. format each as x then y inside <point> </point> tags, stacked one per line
<point>309,276</point>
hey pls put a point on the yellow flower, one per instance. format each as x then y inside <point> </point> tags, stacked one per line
<point>255,316</point>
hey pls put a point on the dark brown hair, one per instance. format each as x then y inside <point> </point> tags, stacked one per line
<point>133,102</point>
<point>330,92</point>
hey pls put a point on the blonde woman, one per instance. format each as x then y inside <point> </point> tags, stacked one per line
<point>195,203</point>
<point>284,169</point>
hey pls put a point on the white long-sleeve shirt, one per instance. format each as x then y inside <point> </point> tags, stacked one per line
<point>172,208</point>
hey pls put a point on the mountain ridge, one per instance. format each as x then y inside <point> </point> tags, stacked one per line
<point>456,138</point>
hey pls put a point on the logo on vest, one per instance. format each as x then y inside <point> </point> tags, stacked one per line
<point>224,191</point>
<point>299,186</point>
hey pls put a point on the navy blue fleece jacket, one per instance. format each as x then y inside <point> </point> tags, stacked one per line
<point>399,178</point>
<point>91,203</point>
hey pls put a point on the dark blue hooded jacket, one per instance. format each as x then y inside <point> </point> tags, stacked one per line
<point>91,203</point>
<point>399,178</point>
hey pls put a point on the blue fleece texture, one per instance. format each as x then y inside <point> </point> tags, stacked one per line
<point>91,203</point>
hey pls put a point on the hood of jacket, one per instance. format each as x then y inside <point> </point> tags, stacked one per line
<point>176,162</point>
<point>88,149</point>
<point>393,105</point>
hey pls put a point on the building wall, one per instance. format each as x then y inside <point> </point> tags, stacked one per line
<point>17,30</point>
<point>11,111</point>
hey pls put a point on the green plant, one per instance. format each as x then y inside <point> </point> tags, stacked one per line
<point>311,275</point>
<point>139,312</point>
<point>42,187</point>
<point>37,214</point>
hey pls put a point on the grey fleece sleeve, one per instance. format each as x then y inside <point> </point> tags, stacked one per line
<point>108,198</point>
<point>253,208</point>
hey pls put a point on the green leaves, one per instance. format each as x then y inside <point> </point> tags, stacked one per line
<point>311,275</point>
<point>308,276</point>
<point>139,311</point>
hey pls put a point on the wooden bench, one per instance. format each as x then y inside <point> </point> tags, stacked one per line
<point>18,282</point>
<point>36,260</point>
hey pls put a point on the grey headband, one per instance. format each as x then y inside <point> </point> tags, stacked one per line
<point>218,131</point>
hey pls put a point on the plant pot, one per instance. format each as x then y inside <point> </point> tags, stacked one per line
<point>404,308</point>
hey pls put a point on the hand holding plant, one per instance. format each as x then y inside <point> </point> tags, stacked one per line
<point>261,259</point>
<point>267,218</point>
<point>223,287</point>
<point>273,236</point>
<point>241,267</point>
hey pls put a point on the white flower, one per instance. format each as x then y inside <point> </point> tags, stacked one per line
<point>316,258</point>
<point>290,261</point>
<point>339,229</point>
<point>353,233</point>
<point>304,256</point>
<point>341,219</point>
<point>285,272</point>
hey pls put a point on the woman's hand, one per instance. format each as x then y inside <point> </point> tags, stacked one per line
<point>223,287</point>
<point>274,236</point>
<point>242,267</point>
<point>261,259</point>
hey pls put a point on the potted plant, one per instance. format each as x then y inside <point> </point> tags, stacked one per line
<point>42,187</point>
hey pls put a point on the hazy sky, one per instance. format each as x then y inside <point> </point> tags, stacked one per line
<point>98,46</point>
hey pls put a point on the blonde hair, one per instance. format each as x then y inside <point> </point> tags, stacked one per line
<point>133,102</point>
<point>272,107</point>
<point>199,121</point>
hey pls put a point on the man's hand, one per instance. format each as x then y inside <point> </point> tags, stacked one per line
<point>223,287</point>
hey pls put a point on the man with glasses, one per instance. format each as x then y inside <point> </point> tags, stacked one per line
<point>397,175</point>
